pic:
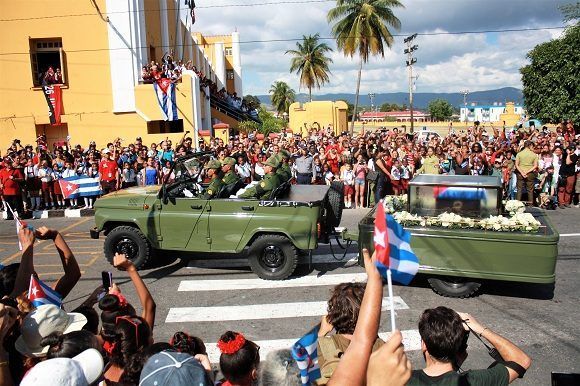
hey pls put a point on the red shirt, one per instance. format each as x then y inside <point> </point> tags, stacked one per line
<point>11,187</point>
<point>108,170</point>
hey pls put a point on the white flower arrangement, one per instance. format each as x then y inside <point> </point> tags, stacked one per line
<point>393,204</point>
<point>523,222</point>
<point>514,207</point>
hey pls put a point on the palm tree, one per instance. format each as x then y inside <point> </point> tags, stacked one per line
<point>282,96</point>
<point>361,27</point>
<point>310,62</point>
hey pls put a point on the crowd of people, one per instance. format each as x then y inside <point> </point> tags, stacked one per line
<point>536,163</point>
<point>108,341</point>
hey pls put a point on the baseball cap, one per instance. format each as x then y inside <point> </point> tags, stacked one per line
<point>272,161</point>
<point>105,151</point>
<point>81,370</point>
<point>169,368</point>
<point>43,321</point>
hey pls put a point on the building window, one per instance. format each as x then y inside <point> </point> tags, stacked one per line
<point>228,51</point>
<point>161,127</point>
<point>230,74</point>
<point>48,61</point>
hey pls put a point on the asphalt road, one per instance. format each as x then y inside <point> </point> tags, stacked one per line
<point>220,294</point>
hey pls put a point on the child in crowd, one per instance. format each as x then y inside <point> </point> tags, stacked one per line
<point>347,177</point>
<point>396,177</point>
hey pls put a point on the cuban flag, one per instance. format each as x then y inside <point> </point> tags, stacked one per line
<point>165,92</point>
<point>393,248</point>
<point>39,293</point>
<point>459,193</point>
<point>79,186</point>
<point>305,354</point>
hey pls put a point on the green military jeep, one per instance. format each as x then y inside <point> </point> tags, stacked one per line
<point>173,217</point>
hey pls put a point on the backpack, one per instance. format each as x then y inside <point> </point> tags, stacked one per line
<point>330,350</point>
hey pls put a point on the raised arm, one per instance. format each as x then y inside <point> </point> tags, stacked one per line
<point>122,263</point>
<point>26,269</point>
<point>72,272</point>
<point>509,351</point>
<point>352,367</point>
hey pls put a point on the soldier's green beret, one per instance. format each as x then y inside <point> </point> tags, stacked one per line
<point>213,164</point>
<point>228,161</point>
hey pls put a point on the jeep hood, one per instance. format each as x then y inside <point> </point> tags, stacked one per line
<point>128,198</point>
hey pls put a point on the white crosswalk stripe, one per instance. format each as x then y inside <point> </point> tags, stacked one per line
<point>275,311</point>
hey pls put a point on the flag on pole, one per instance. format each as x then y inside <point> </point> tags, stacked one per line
<point>165,92</point>
<point>39,293</point>
<point>305,354</point>
<point>393,248</point>
<point>79,186</point>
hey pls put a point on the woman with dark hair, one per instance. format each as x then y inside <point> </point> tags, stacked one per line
<point>131,335</point>
<point>69,345</point>
<point>239,359</point>
<point>132,370</point>
<point>183,342</point>
<point>383,164</point>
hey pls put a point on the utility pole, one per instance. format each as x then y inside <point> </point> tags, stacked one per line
<point>465,93</point>
<point>410,61</point>
<point>372,98</point>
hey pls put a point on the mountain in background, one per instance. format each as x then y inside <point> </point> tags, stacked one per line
<point>420,99</point>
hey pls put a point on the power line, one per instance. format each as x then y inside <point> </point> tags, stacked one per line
<point>282,2</point>
<point>321,38</point>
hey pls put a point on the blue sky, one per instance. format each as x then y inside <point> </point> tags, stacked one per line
<point>446,63</point>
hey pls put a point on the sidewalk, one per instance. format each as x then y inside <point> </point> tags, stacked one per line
<point>69,213</point>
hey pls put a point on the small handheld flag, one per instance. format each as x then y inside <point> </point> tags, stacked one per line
<point>395,259</point>
<point>305,354</point>
<point>39,293</point>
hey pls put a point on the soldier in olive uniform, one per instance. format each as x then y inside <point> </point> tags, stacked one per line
<point>284,172</point>
<point>270,181</point>
<point>230,176</point>
<point>213,171</point>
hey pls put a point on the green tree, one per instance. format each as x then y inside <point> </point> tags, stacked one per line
<point>252,101</point>
<point>570,11</point>
<point>440,109</point>
<point>310,62</point>
<point>248,126</point>
<point>551,87</point>
<point>386,107</point>
<point>361,27</point>
<point>282,96</point>
<point>270,124</point>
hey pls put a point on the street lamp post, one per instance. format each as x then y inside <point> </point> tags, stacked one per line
<point>410,61</point>
<point>465,93</point>
<point>372,98</point>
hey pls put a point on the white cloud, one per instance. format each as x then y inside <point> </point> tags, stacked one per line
<point>446,63</point>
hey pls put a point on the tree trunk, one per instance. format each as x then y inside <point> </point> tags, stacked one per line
<point>310,93</point>
<point>356,97</point>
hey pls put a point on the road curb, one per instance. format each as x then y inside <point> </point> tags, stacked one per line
<point>55,213</point>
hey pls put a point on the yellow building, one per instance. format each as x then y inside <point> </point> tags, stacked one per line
<point>318,115</point>
<point>101,46</point>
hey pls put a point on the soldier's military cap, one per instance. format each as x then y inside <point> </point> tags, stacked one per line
<point>228,161</point>
<point>213,164</point>
<point>273,161</point>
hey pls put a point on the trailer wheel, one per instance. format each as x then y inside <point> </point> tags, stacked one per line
<point>129,241</point>
<point>273,257</point>
<point>454,287</point>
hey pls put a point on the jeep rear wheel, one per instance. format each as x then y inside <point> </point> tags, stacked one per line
<point>454,287</point>
<point>130,242</point>
<point>273,257</point>
<point>335,205</point>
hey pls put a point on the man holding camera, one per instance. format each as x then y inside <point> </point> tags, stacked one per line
<point>304,168</point>
<point>444,334</point>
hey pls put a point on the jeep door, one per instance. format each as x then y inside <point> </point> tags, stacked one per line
<point>183,223</point>
<point>228,220</point>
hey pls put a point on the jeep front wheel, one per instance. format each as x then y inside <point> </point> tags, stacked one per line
<point>273,257</point>
<point>130,242</point>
